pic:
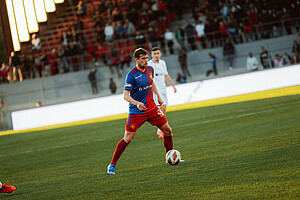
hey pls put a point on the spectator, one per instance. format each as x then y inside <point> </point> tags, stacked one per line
<point>231,29</point>
<point>190,34</point>
<point>143,20</point>
<point>223,31</point>
<point>36,43</point>
<point>45,61</point>
<point>264,58</point>
<point>27,64</point>
<point>241,32</point>
<point>278,61</point>
<point>228,52</point>
<point>296,47</point>
<point>294,15</point>
<point>252,63</point>
<point>4,73</point>
<point>53,62</point>
<point>169,37</point>
<point>276,25</point>
<point>295,58</point>
<point>38,104</point>
<point>179,35</point>
<point>152,37</point>
<point>109,32</point>
<point>129,27</point>
<point>140,40</point>
<point>64,38</point>
<point>213,60</point>
<point>224,11</point>
<point>120,30</point>
<point>116,15</point>
<point>112,86</point>
<point>162,43</point>
<point>81,9</point>
<point>209,33</point>
<point>180,78</point>
<point>216,32</point>
<point>286,58</point>
<point>115,63</point>
<point>265,24</point>
<point>38,63</point>
<point>72,53</point>
<point>62,56</point>
<point>93,80</point>
<point>253,21</point>
<point>15,66</point>
<point>126,61</point>
<point>182,58</point>
<point>200,26</point>
<point>286,21</point>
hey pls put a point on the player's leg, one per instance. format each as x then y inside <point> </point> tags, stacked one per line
<point>5,188</point>
<point>120,148</point>
<point>167,137</point>
<point>133,123</point>
<point>163,109</point>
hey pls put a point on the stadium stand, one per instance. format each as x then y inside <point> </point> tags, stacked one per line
<point>86,33</point>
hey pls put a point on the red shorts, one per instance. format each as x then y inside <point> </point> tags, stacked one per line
<point>155,118</point>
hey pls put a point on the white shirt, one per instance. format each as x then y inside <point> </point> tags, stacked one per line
<point>200,30</point>
<point>252,63</point>
<point>160,70</point>
<point>169,36</point>
<point>108,30</point>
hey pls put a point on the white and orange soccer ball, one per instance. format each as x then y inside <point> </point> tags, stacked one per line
<point>173,157</point>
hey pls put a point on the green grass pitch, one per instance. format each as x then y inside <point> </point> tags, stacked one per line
<point>247,150</point>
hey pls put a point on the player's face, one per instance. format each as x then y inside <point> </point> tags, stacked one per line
<point>142,61</point>
<point>156,55</point>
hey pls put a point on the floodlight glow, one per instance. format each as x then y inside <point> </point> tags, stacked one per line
<point>49,5</point>
<point>21,20</point>
<point>58,1</point>
<point>13,27</point>
<point>40,10</point>
<point>31,16</point>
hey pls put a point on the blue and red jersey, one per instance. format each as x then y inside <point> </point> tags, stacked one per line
<point>140,86</point>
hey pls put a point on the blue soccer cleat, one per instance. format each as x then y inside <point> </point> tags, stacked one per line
<point>111,169</point>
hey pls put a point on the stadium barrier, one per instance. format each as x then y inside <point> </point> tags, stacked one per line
<point>187,93</point>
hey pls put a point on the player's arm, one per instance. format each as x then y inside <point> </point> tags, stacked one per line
<point>127,97</point>
<point>160,101</point>
<point>169,80</point>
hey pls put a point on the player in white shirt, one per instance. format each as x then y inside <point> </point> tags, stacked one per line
<point>160,77</point>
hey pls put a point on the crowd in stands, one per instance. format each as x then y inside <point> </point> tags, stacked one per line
<point>108,31</point>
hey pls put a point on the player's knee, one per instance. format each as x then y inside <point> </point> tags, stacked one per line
<point>168,131</point>
<point>128,137</point>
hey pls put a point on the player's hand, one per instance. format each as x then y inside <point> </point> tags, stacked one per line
<point>160,101</point>
<point>141,106</point>
<point>175,90</point>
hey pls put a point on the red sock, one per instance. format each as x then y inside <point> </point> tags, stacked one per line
<point>168,143</point>
<point>119,150</point>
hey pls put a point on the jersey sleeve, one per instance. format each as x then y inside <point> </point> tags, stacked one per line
<point>165,71</point>
<point>129,82</point>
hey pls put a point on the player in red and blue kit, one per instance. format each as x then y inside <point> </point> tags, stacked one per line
<point>138,91</point>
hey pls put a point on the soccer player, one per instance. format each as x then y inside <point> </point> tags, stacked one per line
<point>5,188</point>
<point>160,77</point>
<point>138,91</point>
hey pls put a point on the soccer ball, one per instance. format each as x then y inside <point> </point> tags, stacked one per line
<point>173,157</point>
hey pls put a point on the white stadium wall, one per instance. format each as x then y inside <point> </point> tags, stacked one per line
<point>189,92</point>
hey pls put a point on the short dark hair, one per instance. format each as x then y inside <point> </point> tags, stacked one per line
<point>139,51</point>
<point>155,49</point>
